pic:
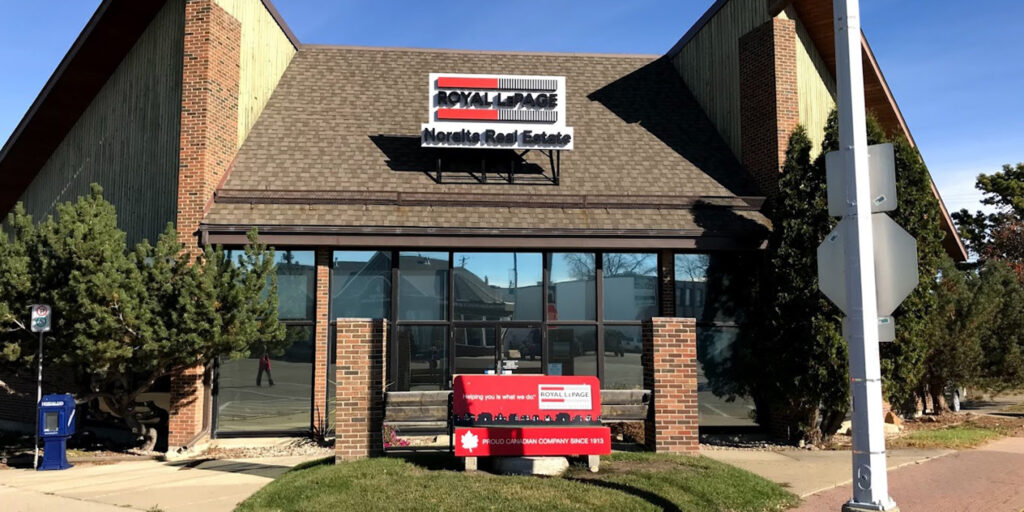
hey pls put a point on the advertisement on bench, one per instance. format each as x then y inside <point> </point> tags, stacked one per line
<point>510,441</point>
<point>526,400</point>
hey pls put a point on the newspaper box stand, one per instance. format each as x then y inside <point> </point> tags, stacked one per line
<point>56,425</point>
<point>527,415</point>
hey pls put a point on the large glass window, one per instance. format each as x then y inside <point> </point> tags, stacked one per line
<point>270,390</point>
<point>423,285</point>
<point>573,350</point>
<point>623,368</point>
<point>296,285</point>
<point>572,293</point>
<point>422,357</point>
<point>475,349</point>
<point>497,286</point>
<point>713,288</point>
<point>630,286</point>
<point>361,284</point>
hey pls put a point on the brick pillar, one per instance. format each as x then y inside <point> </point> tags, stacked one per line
<point>209,141</point>
<point>360,399</point>
<point>769,101</point>
<point>322,338</point>
<point>670,372</point>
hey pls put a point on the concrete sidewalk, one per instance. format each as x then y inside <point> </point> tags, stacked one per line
<point>805,472</point>
<point>990,478</point>
<point>211,486</point>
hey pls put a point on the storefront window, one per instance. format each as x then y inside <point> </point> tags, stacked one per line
<point>475,349</point>
<point>497,286</point>
<point>713,288</point>
<point>630,286</point>
<point>296,285</point>
<point>276,395</point>
<point>522,345</point>
<point>423,286</point>
<point>422,357</point>
<point>572,292</point>
<point>361,284</point>
<point>623,369</point>
<point>573,350</point>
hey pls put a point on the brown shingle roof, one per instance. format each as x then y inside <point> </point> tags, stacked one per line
<point>344,120</point>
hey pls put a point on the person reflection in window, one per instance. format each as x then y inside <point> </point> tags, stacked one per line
<point>264,367</point>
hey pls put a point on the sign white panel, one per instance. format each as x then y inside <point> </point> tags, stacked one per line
<point>881,178</point>
<point>496,112</point>
<point>41,318</point>
<point>895,263</point>
<point>564,396</point>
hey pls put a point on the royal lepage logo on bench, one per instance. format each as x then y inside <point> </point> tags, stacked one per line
<point>571,397</point>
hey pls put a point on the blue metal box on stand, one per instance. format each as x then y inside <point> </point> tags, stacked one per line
<point>56,425</point>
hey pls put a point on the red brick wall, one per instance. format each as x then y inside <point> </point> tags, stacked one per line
<point>670,372</point>
<point>769,101</point>
<point>360,399</point>
<point>209,141</point>
<point>322,338</point>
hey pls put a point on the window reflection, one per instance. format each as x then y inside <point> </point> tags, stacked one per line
<point>296,285</point>
<point>523,345</point>
<point>361,284</point>
<point>423,286</point>
<point>573,350</point>
<point>422,357</point>
<point>573,288</point>
<point>630,286</point>
<point>497,286</point>
<point>475,349</point>
<point>623,369</point>
<point>259,395</point>
<point>714,348</point>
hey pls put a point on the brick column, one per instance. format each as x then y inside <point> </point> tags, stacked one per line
<point>208,144</point>
<point>322,338</point>
<point>670,372</point>
<point>769,100</point>
<point>360,399</point>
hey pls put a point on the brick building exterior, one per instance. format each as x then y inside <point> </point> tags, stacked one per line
<point>400,266</point>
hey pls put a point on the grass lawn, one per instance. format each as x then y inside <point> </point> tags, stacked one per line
<point>968,434</point>
<point>627,481</point>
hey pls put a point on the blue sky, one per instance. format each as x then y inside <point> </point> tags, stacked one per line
<point>955,68</point>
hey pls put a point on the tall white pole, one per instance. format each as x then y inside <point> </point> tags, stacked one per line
<point>870,484</point>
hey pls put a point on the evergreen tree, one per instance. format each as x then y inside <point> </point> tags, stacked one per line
<point>804,357</point>
<point>1002,339</point>
<point>123,320</point>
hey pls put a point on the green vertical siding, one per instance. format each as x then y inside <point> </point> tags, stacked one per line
<point>127,139</point>
<point>710,64</point>
<point>266,52</point>
<point>815,86</point>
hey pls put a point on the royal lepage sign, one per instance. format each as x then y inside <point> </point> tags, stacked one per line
<point>508,415</point>
<point>496,112</point>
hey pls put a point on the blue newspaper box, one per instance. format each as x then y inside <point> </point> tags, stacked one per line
<point>56,425</point>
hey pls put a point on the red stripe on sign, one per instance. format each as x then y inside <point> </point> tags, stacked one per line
<point>552,388</point>
<point>552,399</point>
<point>450,82</point>
<point>467,114</point>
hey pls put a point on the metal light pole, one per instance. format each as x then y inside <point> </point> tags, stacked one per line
<point>870,483</point>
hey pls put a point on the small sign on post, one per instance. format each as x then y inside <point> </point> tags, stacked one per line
<point>41,318</point>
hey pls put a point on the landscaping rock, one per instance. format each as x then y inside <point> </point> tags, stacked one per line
<point>545,466</point>
<point>893,418</point>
